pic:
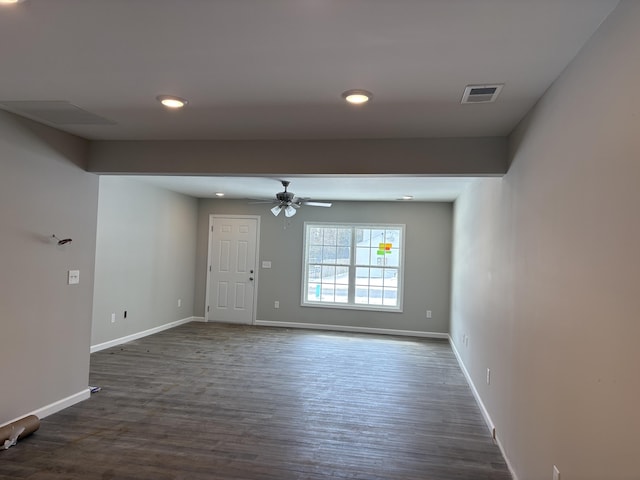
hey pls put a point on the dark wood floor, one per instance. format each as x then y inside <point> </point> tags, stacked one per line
<point>207,401</point>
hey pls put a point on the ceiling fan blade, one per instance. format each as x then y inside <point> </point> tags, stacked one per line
<point>262,202</point>
<point>317,204</point>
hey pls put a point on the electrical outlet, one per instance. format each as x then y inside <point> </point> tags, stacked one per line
<point>488,376</point>
<point>179,302</point>
<point>276,304</point>
<point>113,318</point>
<point>428,313</point>
<point>556,473</point>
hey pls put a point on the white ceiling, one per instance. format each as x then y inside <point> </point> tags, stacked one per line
<point>258,69</point>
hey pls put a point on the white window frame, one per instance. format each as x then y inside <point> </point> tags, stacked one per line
<point>351,305</point>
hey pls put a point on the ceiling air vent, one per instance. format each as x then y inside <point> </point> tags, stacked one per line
<point>481,93</point>
<point>58,112</point>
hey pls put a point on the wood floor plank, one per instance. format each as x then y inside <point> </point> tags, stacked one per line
<point>211,401</point>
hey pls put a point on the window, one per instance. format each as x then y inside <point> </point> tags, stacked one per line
<point>353,266</point>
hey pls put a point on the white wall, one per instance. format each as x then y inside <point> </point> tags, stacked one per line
<point>546,276</point>
<point>44,323</point>
<point>145,258</point>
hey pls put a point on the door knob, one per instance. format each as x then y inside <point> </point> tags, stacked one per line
<point>251,278</point>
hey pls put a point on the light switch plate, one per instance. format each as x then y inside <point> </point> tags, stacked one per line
<point>266,264</point>
<point>74,277</point>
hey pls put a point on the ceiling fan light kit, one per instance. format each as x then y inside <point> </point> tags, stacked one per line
<point>276,210</point>
<point>288,202</point>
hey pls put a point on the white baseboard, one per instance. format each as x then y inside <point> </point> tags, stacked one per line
<point>483,409</point>
<point>342,328</point>
<point>55,406</point>
<point>198,319</point>
<point>144,333</point>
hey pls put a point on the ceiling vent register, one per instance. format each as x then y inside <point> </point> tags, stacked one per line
<point>481,93</point>
<point>57,112</point>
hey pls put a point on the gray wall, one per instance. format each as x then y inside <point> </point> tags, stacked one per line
<point>413,156</point>
<point>547,271</point>
<point>145,256</point>
<point>45,323</point>
<point>427,262</point>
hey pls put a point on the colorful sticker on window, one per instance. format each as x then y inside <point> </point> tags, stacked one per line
<point>384,248</point>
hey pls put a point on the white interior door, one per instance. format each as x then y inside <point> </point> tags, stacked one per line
<point>232,265</point>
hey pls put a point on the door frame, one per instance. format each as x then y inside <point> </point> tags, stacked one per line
<point>213,216</point>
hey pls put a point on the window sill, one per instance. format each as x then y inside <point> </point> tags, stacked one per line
<point>344,306</point>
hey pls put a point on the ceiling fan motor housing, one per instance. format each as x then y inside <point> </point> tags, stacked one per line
<point>285,197</point>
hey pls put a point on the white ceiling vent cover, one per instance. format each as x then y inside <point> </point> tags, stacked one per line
<point>58,112</point>
<point>481,93</point>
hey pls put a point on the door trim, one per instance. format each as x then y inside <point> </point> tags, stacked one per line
<point>256,277</point>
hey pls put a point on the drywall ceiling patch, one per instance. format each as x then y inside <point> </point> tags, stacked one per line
<point>58,112</point>
<point>481,93</point>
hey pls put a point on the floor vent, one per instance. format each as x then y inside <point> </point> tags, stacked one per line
<point>481,93</point>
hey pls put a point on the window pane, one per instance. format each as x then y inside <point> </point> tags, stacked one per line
<point>328,254</point>
<point>390,277</point>
<point>392,236</point>
<point>328,274</point>
<point>344,237</point>
<point>375,296</point>
<point>390,297</point>
<point>315,236</point>
<point>362,256</point>
<point>330,236</point>
<point>342,294</point>
<point>377,237</point>
<point>315,254</point>
<point>327,294</point>
<point>392,258</point>
<point>313,292</point>
<point>362,276</point>
<point>362,295</point>
<point>342,275</point>
<point>343,256</point>
<point>377,257</point>
<point>363,237</point>
<point>314,272</point>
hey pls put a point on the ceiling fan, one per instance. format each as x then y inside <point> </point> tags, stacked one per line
<point>288,202</point>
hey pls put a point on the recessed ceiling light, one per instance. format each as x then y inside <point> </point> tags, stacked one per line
<point>407,197</point>
<point>219,194</point>
<point>171,101</point>
<point>357,96</point>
